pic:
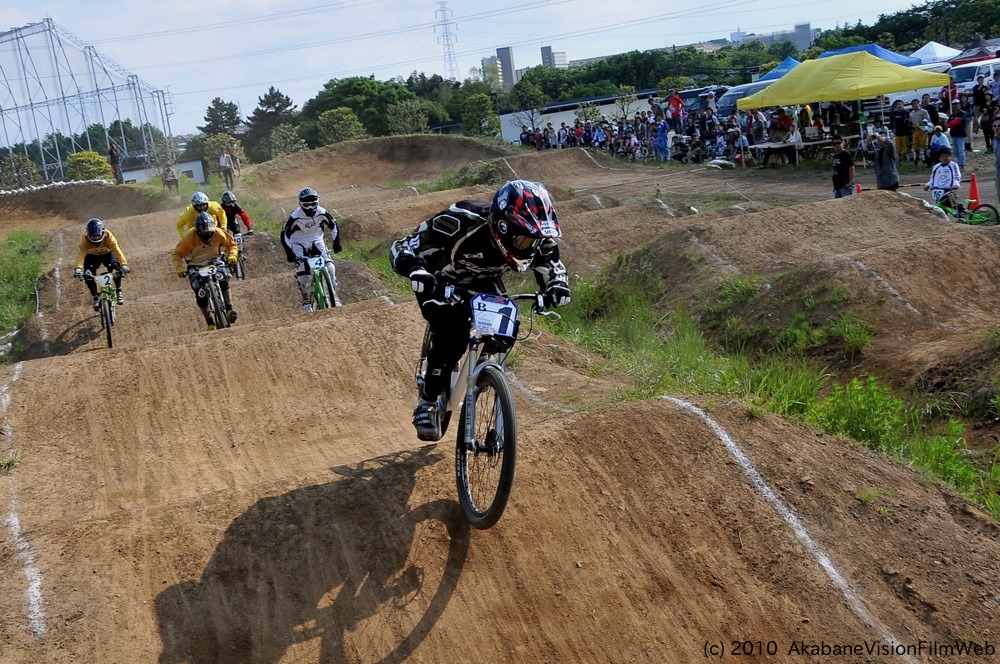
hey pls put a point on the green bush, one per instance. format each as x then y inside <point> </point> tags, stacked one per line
<point>20,267</point>
<point>88,165</point>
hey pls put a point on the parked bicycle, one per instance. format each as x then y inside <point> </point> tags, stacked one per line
<point>323,293</point>
<point>211,275</point>
<point>486,443</point>
<point>982,214</point>
<point>106,300</point>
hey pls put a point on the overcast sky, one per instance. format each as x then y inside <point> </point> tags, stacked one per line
<point>235,50</point>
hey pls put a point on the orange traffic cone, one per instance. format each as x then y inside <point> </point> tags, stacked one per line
<point>974,193</point>
<point>857,188</point>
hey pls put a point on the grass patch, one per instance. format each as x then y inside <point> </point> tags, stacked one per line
<point>479,172</point>
<point>9,463</point>
<point>20,268</point>
<point>620,316</point>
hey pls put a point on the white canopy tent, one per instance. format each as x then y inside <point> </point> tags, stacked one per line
<point>934,52</point>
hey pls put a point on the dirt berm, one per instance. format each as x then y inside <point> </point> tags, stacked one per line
<point>257,494</point>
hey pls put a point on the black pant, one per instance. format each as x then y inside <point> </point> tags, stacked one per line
<point>199,285</point>
<point>450,323</point>
<point>90,264</point>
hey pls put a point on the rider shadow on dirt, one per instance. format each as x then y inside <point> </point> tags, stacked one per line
<point>77,335</point>
<point>317,561</point>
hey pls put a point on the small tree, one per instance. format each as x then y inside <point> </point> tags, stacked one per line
<point>625,100</point>
<point>284,140</point>
<point>340,124</point>
<point>587,112</point>
<point>405,117</point>
<point>88,165</point>
<point>17,170</point>
<point>529,104</point>
<point>222,117</point>
<point>480,117</point>
<point>162,152</point>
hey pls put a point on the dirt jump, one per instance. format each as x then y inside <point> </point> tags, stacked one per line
<point>258,494</point>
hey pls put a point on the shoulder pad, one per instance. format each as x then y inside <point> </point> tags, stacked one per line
<point>445,224</point>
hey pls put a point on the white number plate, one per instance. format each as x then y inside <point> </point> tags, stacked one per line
<point>207,270</point>
<point>239,239</point>
<point>104,280</point>
<point>316,263</point>
<point>494,315</point>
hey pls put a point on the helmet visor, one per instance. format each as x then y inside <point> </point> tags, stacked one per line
<point>309,205</point>
<point>201,207</point>
<point>96,238</point>
<point>523,244</point>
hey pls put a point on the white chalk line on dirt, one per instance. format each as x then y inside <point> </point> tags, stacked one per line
<point>888,287</point>
<point>25,555</point>
<point>530,393</point>
<point>854,601</point>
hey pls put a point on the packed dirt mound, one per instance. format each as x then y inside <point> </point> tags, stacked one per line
<point>257,494</point>
<point>58,206</point>
<point>394,159</point>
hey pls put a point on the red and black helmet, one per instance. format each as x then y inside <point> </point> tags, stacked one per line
<point>521,216</point>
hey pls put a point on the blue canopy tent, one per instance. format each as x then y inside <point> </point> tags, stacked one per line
<point>787,65</point>
<point>878,52</point>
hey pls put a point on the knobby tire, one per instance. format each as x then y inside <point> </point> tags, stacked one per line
<point>328,287</point>
<point>106,321</point>
<point>241,266</point>
<point>319,297</point>
<point>215,301</point>
<point>983,214</point>
<point>485,476</point>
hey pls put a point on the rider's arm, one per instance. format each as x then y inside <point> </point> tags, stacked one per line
<point>218,214</point>
<point>85,245</point>
<point>182,251</point>
<point>186,220</point>
<point>230,247</point>
<point>547,266</point>
<point>956,174</point>
<point>115,249</point>
<point>245,217</point>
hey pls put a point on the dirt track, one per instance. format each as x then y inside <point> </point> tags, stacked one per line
<point>258,494</point>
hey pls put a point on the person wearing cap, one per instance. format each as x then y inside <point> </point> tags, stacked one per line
<point>922,127</point>
<point>958,132</point>
<point>938,140</point>
<point>843,170</point>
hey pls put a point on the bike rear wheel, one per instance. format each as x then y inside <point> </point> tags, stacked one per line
<point>485,475</point>
<point>106,319</point>
<point>983,215</point>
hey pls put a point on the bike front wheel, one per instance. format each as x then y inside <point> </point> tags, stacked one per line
<point>218,310</point>
<point>106,319</point>
<point>983,215</point>
<point>241,266</point>
<point>484,469</point>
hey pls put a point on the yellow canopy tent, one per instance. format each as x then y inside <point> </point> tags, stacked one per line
<point>847,77</point>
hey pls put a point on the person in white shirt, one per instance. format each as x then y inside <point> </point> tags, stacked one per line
<point>946,177</point>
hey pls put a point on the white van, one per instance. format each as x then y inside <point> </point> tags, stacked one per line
<point>908,95</point>
<point>965,75</point>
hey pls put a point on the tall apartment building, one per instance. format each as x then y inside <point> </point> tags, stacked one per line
<point>802,35</point>
<point>491,71</point>
<point>505,55</point>
<point>553,59</point>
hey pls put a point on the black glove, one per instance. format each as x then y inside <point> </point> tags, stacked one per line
<point>422,281</point>
<point>337,247</point>
<point>557,294</point>
<point>126,269</point>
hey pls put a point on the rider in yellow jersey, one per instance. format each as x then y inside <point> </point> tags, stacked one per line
<point>199,247</point>
<point>99,247</point>
<point>200,203</point>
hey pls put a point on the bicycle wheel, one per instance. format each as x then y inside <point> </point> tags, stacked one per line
<point>329,288</point>
<point>215,302</point>
<point>983,214</point>
<point>485,474</point>
<point>106,319</point>
<point>319,297</point>
<point>241,266</point>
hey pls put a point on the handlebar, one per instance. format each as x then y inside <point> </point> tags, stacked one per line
<point>454,293</point>
<point>117,273</point>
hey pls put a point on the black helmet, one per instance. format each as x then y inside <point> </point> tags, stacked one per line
<point>521,216</point>
<point>228,198</point>
<point>95,230</point>
<point>308,200</point>
<point>204,225</point>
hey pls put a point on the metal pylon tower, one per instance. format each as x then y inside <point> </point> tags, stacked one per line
<point>445,24</point>
<point>59,95</point>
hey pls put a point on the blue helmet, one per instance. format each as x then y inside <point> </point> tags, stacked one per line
<point>95,230</point>
<point>204,225</point>
<point>199,198</point>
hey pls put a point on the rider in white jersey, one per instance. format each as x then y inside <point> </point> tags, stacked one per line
<point>302,237</point>
<point>945,178</point>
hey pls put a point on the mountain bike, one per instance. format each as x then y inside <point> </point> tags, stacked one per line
<point>241,261</point>
<point>323,293</point>
<point>983,214</point>
<point>486,442</point>
<point>106,300</point>
<point>209,277</point>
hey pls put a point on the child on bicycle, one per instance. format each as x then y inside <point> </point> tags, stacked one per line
<point>473,244</point>
<point>200,246</point>
<point>99,247</point>
<point>234,210</point>
<point>199,204</point>
<point>302,237</point>
<point>945,178</point>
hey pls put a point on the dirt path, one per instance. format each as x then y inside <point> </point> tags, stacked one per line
<point>258,495</point>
